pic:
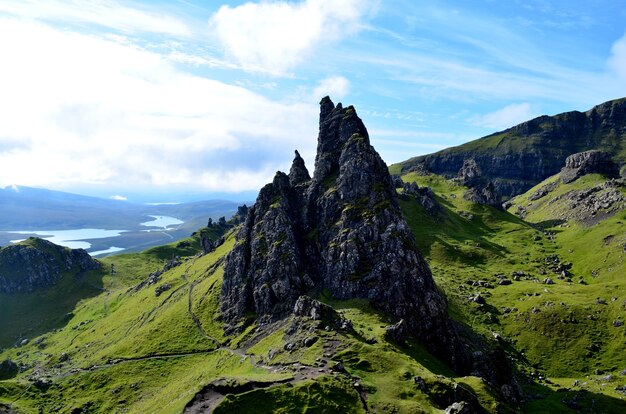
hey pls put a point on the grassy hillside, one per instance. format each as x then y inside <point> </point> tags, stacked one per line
<point>127,349</point>
<point>564,332</point>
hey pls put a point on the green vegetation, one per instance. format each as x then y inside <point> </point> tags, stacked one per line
<point>120,346</point>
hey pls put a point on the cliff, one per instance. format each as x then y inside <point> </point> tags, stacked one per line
<point>520,157</point>
<point>37,264</point>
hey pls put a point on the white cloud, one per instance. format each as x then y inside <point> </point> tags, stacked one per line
<point>91,110</point>
<point>274,37</point>
<point>617,61</point>
<point>107,13</point>
<point>506,117</point>
<point>118,198</point>
<point>336,87</point>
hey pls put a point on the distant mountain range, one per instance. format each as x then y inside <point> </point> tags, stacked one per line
<point>26,208</point>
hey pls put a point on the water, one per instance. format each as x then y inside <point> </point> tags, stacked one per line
<point>111,249</point>
<point>162,222</point>
<point>74,239</point>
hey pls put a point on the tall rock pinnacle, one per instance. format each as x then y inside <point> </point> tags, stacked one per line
<point>342,232</point>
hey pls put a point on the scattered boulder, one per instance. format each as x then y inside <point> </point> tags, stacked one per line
<point>460,408</point>
<point>543,191</point>
<point>162,288</point>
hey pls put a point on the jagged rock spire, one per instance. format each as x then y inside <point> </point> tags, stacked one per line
<point>298,173</point>
<point>342,232</point>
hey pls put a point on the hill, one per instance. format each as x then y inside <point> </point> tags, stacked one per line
<point>520,157</point>
<point>533,294</point>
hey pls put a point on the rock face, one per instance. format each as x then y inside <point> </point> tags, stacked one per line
<point>341,232</point>
<point>588,162</point>
<point>486,195</point>
<point>39,264</point>
<point>519,158</point>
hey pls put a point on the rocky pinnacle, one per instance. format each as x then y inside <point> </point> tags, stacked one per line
<point>341,232</point>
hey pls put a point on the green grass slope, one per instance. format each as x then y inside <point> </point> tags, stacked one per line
<point>128,349</point>
<point>567,333</point>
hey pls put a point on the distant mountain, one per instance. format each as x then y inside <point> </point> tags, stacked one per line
<point>31,209</point>
<point>520,157</point>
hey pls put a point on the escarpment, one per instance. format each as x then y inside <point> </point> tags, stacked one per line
<point>340,232</point>
<point>38,264</point>
<point>518,158</point>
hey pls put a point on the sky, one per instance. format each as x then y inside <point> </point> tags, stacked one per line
<point>175,100</point>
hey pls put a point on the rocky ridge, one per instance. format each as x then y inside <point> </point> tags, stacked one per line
<point>38,264</point>
<point>340,232</point>
<point>520,157</point>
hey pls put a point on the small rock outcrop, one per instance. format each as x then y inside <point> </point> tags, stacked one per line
<point>342,232</point>
<point>588,162</point>
<point>469,172</point>
<point>424,196</point>
<point>486,195</point>
<point>38,264</point>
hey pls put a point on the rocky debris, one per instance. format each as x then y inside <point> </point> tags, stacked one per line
<point>548,281</point>
<point>342,232</point>
<point>562,269</point>
<point>154,277</point>
<point>397,332</point>
<point>478,299</point>
<point>8,369</point>
<point>544,191</point>
<point>420,383</point>
<point>460,407</point>
<point>530,152</point>
<point>424,196</point>
<point>466,215</point>
<point>617,323</point>
<point>314,309</point>
<point>588,162</point>
<point>161,288</point>
<point>485,195</point>
<point>596,202</point>
<point>81,324</point>
<point>469,172</point>
<point>39,264</point>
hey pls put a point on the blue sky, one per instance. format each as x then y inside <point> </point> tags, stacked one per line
<point>205,98</point>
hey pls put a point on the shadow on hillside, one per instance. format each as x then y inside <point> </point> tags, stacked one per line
<point>542,399</point>
<point>24,316</point>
